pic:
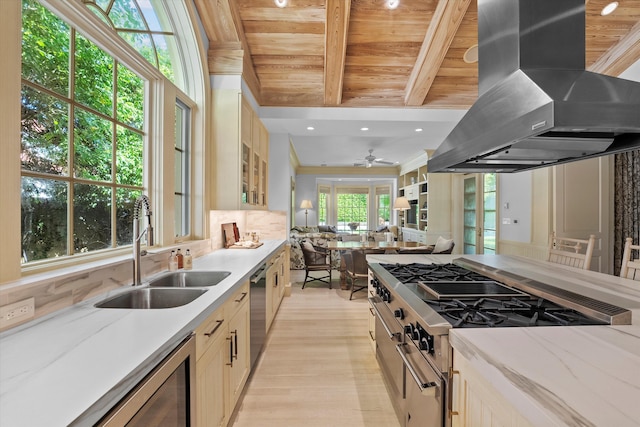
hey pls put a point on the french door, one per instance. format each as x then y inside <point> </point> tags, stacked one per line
<point>480,214</point>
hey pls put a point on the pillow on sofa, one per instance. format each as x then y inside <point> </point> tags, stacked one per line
<point>307,245</point>
<point>327,229</point>
<point>442,245</point>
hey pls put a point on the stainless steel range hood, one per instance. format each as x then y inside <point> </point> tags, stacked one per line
<point>537,104</point>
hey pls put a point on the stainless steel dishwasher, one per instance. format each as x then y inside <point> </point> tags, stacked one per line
<point>258,301</point>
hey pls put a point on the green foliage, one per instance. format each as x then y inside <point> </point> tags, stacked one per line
<point>46,141</point>
<point>352,208</point>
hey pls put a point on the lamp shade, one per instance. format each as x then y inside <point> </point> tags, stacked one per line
<point>306,204</point>
<point>401,204</point>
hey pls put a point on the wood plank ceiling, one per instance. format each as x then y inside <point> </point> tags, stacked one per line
<point>359,53</point>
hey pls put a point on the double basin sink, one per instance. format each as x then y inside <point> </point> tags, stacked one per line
<point>167,291</point>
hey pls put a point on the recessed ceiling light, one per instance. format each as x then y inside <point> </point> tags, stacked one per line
<point>608,9</point>
<point>393,4</point>
<point>419,130</point>
<point>281,3</point>
<point>364,129</point>
<point>310,128</point>
<point>471,55</point>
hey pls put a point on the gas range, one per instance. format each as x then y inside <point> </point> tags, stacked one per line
<point>468,299</point>
<point>416,305</point>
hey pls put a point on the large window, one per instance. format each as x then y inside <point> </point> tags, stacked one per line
<point>324,191</point>
<point>383,205</point>
<point>352,206</point>
<point>82,141</point>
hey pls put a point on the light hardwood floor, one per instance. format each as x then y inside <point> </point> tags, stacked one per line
<point>318,367</point>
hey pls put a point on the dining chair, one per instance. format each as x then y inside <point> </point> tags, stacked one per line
<point>570,251</point>
<point>357,268</point>
<point>316,258</point>
<point>630,266</point>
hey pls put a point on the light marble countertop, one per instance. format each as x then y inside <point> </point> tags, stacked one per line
<point>74,365</point>
<point>558,376</point>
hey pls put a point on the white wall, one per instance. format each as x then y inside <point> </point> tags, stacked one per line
<point>515,202</point>
<point>279,173</point>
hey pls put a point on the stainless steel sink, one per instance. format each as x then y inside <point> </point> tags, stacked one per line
<point>151,298</point>
<point>189,279</point>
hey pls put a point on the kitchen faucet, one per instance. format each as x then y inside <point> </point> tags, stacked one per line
<point>137,236</point>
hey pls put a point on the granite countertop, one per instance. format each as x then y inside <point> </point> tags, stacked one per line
<point>558,376</point>
<point>74,365</point>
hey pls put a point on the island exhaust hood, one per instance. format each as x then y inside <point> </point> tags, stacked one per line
<point>537,104</point>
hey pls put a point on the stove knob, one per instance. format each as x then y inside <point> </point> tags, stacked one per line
<point>399,313</point>
<point>415,335</point>
<point>408,329</point>
<point>426,342</point>
<point>386,296</point>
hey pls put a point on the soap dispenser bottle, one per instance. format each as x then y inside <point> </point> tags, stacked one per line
<point>173,261</point>
<point>180,259</point>
<point>188,260</point>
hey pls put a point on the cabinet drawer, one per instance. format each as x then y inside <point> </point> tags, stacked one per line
<point>238,298</point>
<point>209,330</point>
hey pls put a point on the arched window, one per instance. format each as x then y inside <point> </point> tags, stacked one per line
<point>93,120</point>
<point>144,25</point>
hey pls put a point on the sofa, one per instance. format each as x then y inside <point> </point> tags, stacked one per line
<point>319,236</point>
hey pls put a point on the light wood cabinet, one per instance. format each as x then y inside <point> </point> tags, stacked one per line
<point>222,359</point>
<point>433,195</point>
<point>239,346</point>
<point>477,403</point>
<point>241,160</point>
<point>275,284</point>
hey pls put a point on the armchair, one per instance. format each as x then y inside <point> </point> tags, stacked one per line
<point>316,258</point>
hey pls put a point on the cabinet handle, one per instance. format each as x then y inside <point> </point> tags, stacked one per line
<point>230,351</point>
<point>213,331</point>
<point>244,294</point>
<point>454,386</point>
<point>235,342</point>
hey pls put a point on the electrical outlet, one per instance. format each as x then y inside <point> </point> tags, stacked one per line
<point>17,312</point>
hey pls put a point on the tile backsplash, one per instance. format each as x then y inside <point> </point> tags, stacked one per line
<point>268,224</point>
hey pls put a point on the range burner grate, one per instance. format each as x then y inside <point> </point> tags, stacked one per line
<point>409,273</point>
<point>526,311</point>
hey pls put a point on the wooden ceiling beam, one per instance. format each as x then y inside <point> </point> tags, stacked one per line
<point>442,29</point>
<point>335,49</point>
<point>229,51</point>
<point>621,55</point>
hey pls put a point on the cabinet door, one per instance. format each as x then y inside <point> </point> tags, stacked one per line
<point>238,340</point>
<point>476,402</point>
<point>270,288</point>
<point>212,396</point>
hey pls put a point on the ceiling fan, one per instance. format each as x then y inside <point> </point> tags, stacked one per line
<point>371,159</point>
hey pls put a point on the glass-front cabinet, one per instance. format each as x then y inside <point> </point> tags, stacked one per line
<point>246,159</point>
<point>241,154</point>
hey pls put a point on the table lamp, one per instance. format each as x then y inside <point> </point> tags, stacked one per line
<point>306,205</point>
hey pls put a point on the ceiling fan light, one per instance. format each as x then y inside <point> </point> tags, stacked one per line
<point>393,4</point>
<point>281,3</point>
